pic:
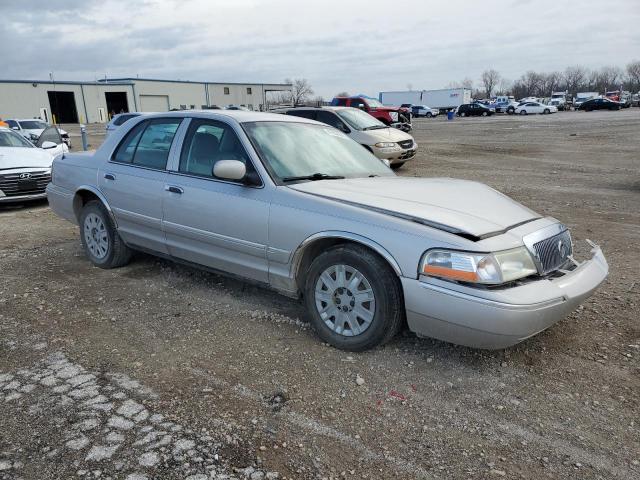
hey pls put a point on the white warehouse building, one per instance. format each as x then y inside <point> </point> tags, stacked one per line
<point>95,102</point>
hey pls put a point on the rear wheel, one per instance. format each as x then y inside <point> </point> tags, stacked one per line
<point>101,242</point>
<point>463,114</point>
<point>354,298</point>
<point>523,112</point>
<point>484,114</point>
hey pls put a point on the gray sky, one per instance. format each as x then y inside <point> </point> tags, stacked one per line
<point>357,46</point>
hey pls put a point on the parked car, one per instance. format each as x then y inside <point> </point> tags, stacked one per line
<point>473,109</point>
<point>397,117</point>
<point>389,144</point>
<point>424,111</point>
<point>236,107</point>
<point>599,104</point>
<point>505,104</point>
<point>298,206</point>
<point>32,128</point>
<point>582,97</point>
<point>118,120</point>
<point>535,107</point>
<point>25,169</point>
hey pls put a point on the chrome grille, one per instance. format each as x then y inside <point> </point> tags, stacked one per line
<point>12,185</point>
<point>406,143</point>
<point>553,252</point>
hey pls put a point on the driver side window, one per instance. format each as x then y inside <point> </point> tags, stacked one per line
<point>207,142</point>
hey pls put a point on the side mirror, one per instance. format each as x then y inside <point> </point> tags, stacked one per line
<point>344,128</point>
<point>48,145</point>
<point>229,169</point>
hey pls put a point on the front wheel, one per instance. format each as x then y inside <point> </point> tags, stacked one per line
<point>546,111</point>
<point>429,115</point>
<point>463,114</point>
<point>101,242</point>
<point>511,110</point>
<point>354,298</point>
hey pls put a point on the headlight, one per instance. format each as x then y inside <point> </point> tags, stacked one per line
<point>488,268</point>
<point>394,116</point>
<point>385,144</point>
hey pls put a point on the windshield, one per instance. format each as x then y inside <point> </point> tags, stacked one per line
<point>359,120</point>
<point>32,125</point>
<point>373,102</point>
<point>12,139</point>
<point>291,149</point>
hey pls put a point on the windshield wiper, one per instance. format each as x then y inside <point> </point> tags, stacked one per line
<point>314,176</point>
<point>374,127</point>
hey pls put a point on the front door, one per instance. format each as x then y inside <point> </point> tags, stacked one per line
<point>133,182</point>
<point>211,221</point>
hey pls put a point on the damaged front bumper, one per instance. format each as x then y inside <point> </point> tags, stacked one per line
<point>499,318</point>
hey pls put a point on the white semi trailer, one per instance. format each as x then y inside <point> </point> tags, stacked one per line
<point>443,99</point>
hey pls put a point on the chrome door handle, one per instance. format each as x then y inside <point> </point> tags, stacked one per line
<point>109,176</point>
<point>174,189</point>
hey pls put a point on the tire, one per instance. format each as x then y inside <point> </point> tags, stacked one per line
<point>463,114</point>
<point>511,111</point>
<point>429,115</point>
<point>100,240</point>
<point>546,111</point>
<point>523,112</point>
<point>396,166</point>
<point>382,305</point>
<point>484,114</point>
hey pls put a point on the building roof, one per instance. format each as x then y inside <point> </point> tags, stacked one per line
<point>65,82</point>
<point>134,79</point>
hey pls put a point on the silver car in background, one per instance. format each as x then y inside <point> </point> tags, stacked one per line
<point>296,205</point>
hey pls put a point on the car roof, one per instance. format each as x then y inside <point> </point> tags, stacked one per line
<point>26,119</point>
<point>240,116</point>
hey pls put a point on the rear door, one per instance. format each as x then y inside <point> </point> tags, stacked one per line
<point>134,178</point>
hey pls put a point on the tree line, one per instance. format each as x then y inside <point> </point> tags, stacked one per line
<point>573,79</point>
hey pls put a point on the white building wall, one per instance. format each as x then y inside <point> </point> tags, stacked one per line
<point>179,94</point>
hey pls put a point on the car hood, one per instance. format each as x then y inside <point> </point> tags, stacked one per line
<point>388,134</point>
<point>23,157</point>
<point>470,209</point>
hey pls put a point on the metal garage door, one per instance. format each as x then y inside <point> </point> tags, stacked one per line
<point>154,103</point>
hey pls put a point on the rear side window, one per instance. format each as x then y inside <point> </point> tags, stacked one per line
<point>341,102</point>
<point>12,123</point>
<point>310,114</point>
<point>123,118</point>
<point>332,119</point>
<point>148,144</point>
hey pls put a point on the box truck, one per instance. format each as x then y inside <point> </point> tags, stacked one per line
<point>444,99</point>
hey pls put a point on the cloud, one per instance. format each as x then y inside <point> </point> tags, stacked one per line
<point>358,46</point>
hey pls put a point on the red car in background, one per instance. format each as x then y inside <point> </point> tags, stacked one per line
<point>398,117</point>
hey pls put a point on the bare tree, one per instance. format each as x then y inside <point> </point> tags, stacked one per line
<point>606,78</point>
<point>490,79</point>
<point>633,75</point>
<point>575,78</point>
<point>551,82</point>
<point>300,90</point>
<point>504,87</point>
<point>465,83</point>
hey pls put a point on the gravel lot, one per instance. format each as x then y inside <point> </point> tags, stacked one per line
<point>160,371</point>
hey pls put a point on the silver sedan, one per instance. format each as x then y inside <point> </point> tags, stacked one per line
<point>297,206</point>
